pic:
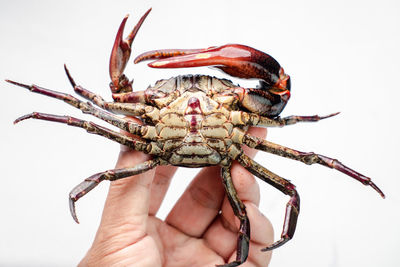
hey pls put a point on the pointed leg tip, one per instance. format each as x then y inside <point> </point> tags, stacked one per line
<point>276,244</point>
<point>72,210</point>
<point>377,189</point>
<point>330,115</point>
<point>18,84</point>
<point>71,80</point>
<point>24,117</point>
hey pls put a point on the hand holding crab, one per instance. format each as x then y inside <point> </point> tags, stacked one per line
<point>190,121</point>
<point>195,233</point>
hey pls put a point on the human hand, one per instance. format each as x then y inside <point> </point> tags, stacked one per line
<point>200,230</point>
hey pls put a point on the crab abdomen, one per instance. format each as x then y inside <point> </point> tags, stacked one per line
<point>194,130</point>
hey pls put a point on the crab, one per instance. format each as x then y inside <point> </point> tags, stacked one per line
<point>195,121</point>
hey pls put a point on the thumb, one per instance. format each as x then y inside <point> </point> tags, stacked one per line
<point>125,213</point>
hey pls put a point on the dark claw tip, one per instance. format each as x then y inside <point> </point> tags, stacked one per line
<point>72,210</point>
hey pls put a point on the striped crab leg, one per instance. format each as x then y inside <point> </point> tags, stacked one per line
<point>283,185</point>
<point>124,124</point>
<point>239,209</point>
<point>308,158</point>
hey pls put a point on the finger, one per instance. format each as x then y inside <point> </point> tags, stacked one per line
<point>222,235</point>
<point>127,202</point>
<point>159,187</point>
<point>256,131</point>
<point>227,224</point>
<point>161,180</point>
<point>201,201</point>
<point>245,184</point>
<point>261,236</point>
<point>128,199</point>
<point>199,204</point>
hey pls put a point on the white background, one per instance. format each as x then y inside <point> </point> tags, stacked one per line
<point>342,56</point>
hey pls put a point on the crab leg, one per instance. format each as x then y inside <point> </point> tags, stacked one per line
<point>292,207</point>
<point>307,158</point>
<point>87,108</point>
<point>120,54</point>
<point>240,211</point>
<point>251,119</point>
<point>131,109</point>
<point>89,183</point>
<point>90,127</point>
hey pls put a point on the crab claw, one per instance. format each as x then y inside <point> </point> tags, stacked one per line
<point>234,59</point>
<point>166,53</point>
<point>237,60</point>
<point>120,54</point>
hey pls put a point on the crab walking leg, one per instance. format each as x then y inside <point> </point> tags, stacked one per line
<point>292,207</point>
<point>89,183</point>
<point>131,109</point>
<point>307,158</point>
<point>252,119</point>
<point>87,108</point>
<point>92,128</point>
<point>240,211</point>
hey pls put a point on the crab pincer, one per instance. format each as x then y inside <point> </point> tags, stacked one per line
<point>239,61</point>
<point>120,55</point>
<point>234,59</point>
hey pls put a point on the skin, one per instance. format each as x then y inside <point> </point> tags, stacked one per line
<point>195,233</point>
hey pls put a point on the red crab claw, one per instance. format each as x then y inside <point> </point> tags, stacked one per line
<point>120,54</point>
<point>236,60</point>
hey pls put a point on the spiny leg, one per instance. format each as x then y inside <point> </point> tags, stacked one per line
<point>89,183</point>
<point>91,127</point>
<point>252,119</point>
<point>292,207</point>
<point>135,107</point>
<point>240,211</point>
<point>87,108</point>
<point>308,158</point>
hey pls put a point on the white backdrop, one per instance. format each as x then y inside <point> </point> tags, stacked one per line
<point>342,56</point>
